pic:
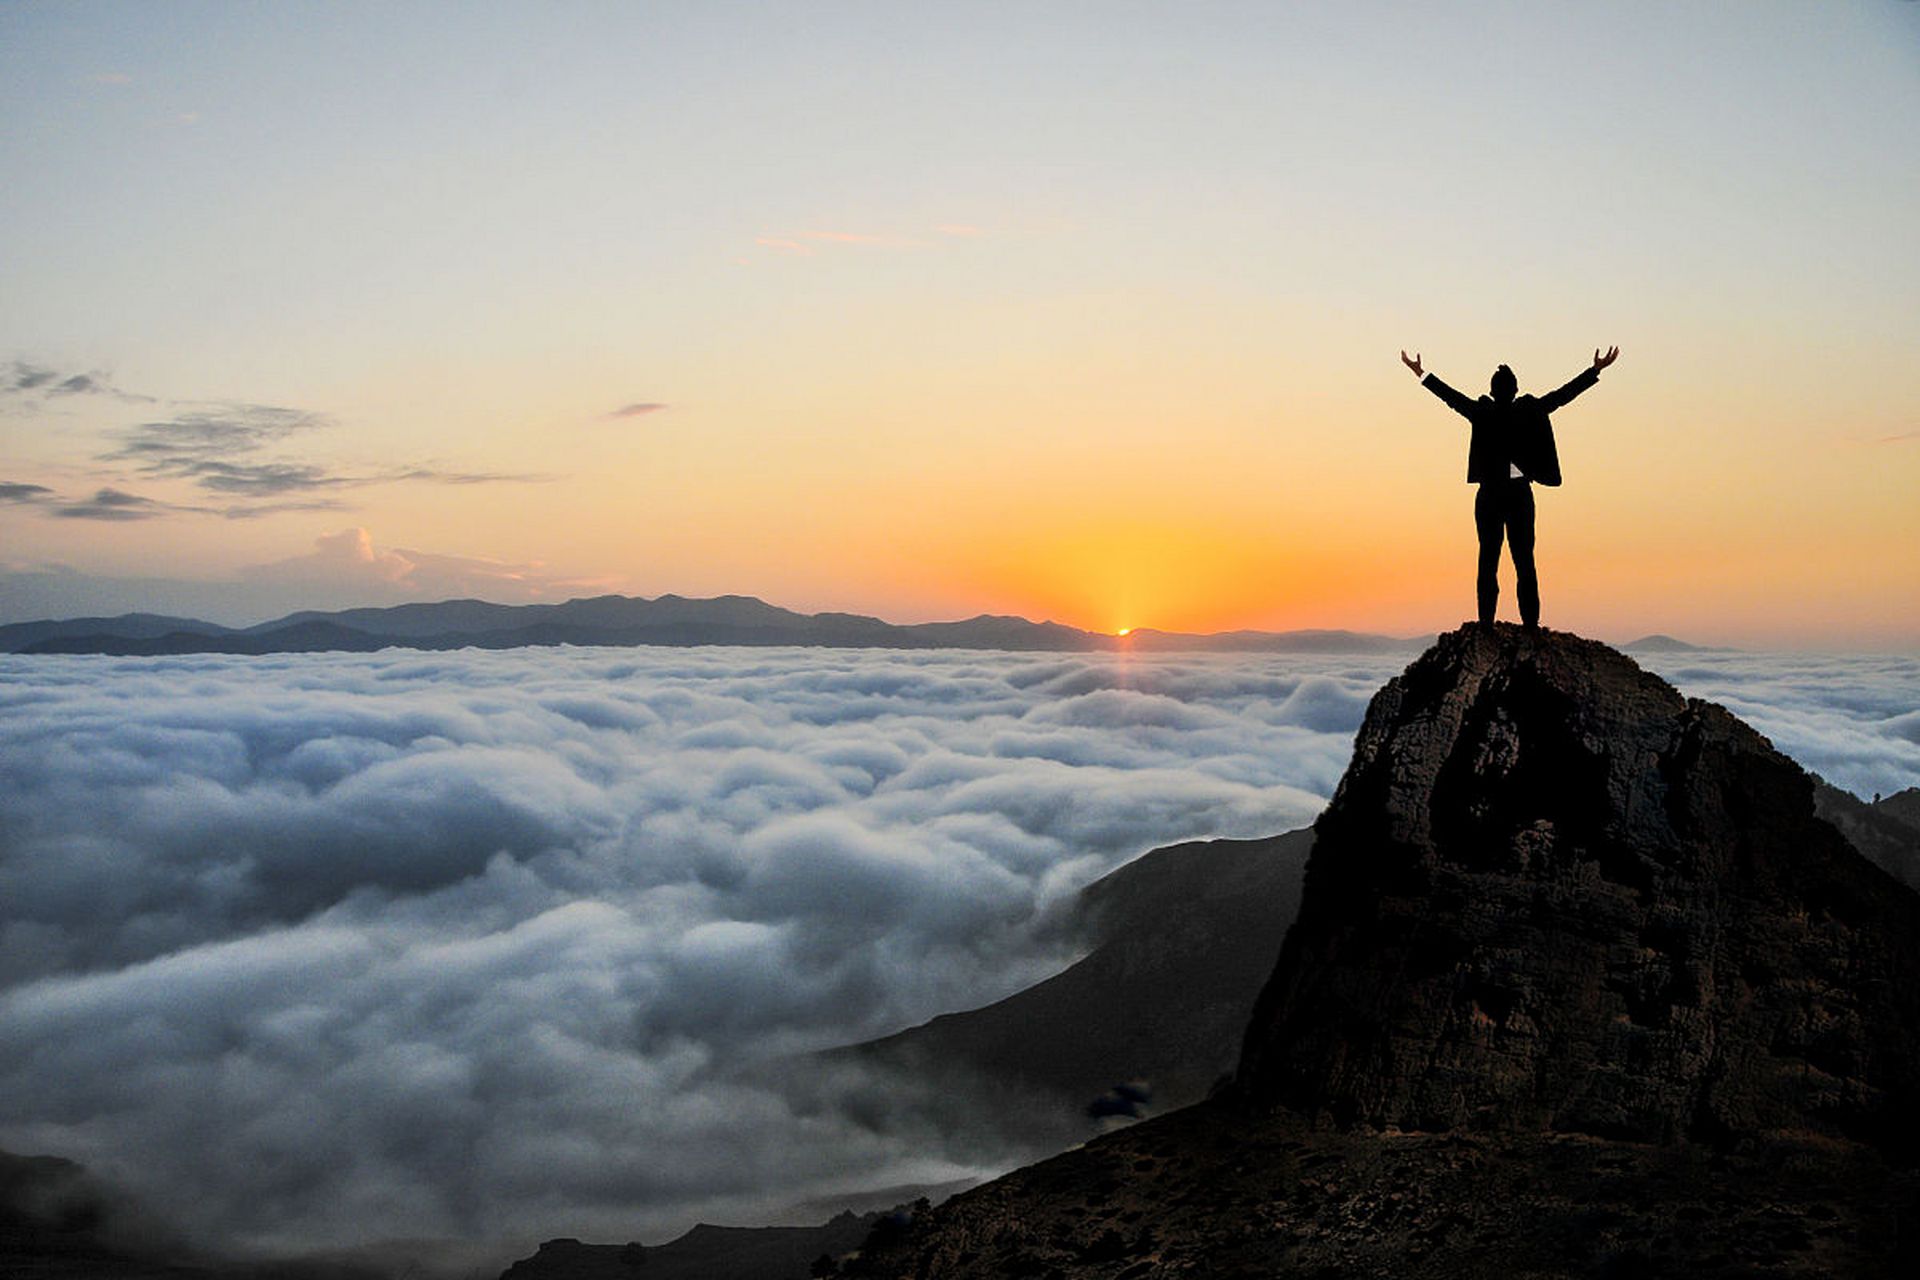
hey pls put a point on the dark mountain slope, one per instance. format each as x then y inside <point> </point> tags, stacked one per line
<point>16,636</point>
<point>1184,938</point>
<point>1580,985</point>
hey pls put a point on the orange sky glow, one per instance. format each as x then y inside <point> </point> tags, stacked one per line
<point>958,312</point>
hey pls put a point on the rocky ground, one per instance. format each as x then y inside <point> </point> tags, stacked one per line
<point>1213,1192</point>
<point>1581,985</point>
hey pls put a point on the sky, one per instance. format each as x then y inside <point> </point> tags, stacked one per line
<point>1089,312</point>
<point>325,949</point>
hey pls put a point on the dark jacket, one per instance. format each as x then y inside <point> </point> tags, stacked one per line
<point>1518,432</point>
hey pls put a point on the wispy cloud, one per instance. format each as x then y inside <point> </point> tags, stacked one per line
<point>803,243</point>
<point>211,435</point>
<point>209,447</point>
<point>638,409</point>
<point>216,449</point>
<point>25,379</point>
<point>260,479</point>
<point>1901,438</point>
<point>19,492</point>
<point>782,244</point>
<point>439,475</point>
<point>30,377</point>
<point>256,510</point>
<point>252,460</point>
<point>113,505</point>
<point>851,237</point>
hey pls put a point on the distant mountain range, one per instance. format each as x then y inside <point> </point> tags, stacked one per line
<point>629,620</point>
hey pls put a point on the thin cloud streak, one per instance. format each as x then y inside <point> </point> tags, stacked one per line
<point>214,449</point>
<point>38,383</point>
<point>802,243</point>
<point>115,505</point>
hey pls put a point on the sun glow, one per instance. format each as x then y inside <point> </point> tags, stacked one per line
<point>1124,631</point>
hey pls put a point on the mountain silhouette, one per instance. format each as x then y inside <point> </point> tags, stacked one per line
<point>624,621</point>
<point>1182,940</point>
<point>1581,984</point>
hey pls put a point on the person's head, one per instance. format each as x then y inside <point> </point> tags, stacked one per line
<point>1505,386</point>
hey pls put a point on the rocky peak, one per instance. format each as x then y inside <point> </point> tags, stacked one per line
<point>1552,894</point>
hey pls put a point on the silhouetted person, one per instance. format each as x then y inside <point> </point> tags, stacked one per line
<point>1511,451</point>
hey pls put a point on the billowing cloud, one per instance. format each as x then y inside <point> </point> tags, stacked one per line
<point>347,566</point>
<point>442,941</point>
<point>329,947</point>
<point>344,570</point>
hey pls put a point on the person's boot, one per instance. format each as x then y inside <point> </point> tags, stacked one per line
<point>1489,601</point>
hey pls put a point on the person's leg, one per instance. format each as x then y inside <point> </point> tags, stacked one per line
<point>1520,538</point>
<point>1488,519</point>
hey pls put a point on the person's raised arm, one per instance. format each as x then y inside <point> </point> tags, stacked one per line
<point>1431,381</point>
<point>1554,399</point>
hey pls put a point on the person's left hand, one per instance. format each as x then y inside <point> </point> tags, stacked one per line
<point>1414,363</point>
<point>1600,361</point>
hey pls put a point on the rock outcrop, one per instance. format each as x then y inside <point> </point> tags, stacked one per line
<point>1887,831</point>
<point>1551,894</point>
<point>1580,985</point>
<point>706,1252</point>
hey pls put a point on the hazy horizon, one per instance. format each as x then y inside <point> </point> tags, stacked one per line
<point>219,603</point>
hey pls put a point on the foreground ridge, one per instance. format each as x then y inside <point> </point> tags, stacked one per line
<point>1580,985</point>
<point>1552,894</point>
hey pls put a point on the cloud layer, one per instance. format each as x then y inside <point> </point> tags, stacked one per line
<point>329,948</point>
<point>326,947</point>
<point>1854,720</point>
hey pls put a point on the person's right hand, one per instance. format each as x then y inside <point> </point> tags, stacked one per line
<point>1599,361</point>
<point>1413,363</point>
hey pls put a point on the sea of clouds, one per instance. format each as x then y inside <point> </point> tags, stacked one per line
<point>334,948</point>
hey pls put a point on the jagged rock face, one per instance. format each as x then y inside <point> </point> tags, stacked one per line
<point>1551,894</point>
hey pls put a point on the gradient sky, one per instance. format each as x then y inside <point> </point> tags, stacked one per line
<point>1081,311</point>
